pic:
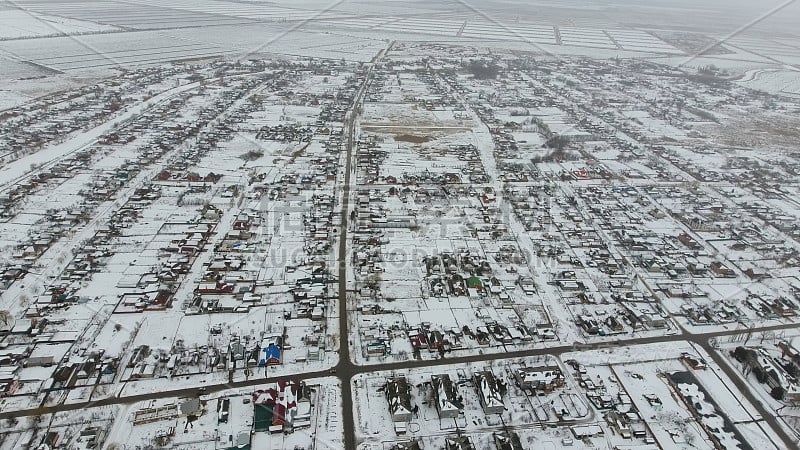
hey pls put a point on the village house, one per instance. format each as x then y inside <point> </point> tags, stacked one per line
<point>490,392</point>
<point>541,378</point>
<point>449,403</point>
<point>398,396</point>
<point>507,440</point>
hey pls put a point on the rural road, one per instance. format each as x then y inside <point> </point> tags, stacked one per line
<point>346,370</point>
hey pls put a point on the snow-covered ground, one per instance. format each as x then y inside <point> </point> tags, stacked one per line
<point>172,232</point>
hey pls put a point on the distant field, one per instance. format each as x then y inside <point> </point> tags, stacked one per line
<point>150,47</point>
<point>110,50</point>
<point>114,33</point>
<point>16,24</point>
<point>180,14</point>
<point>536,33</point>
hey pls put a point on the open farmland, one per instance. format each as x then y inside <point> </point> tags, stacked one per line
<point>122,34</point>
<point>17,24</point>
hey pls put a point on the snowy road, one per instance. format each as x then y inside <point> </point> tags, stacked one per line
<point>700,339</point>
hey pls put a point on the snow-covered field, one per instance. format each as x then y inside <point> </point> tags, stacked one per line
<point>18,23</point>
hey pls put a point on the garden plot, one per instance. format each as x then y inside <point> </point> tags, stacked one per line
<point>276,114</point>
<point>156,330</point>
<point>439,313</point>
<point>404,157</point>
<point>645,123</point>
<point>610,157</point>
<point>385,116</point>
<point>79,429</point>
<point>213,333</point>
<point>379,114</point>
<point>721,303</point>
<point>323,85</point>
<point>221,162</point>
<point>732,250</point>
<point>116,157</point>
<point>288,246</point>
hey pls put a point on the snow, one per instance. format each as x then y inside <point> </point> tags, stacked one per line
<point>18,23</point>
<point>16,170</point>
<point>470,237</point>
